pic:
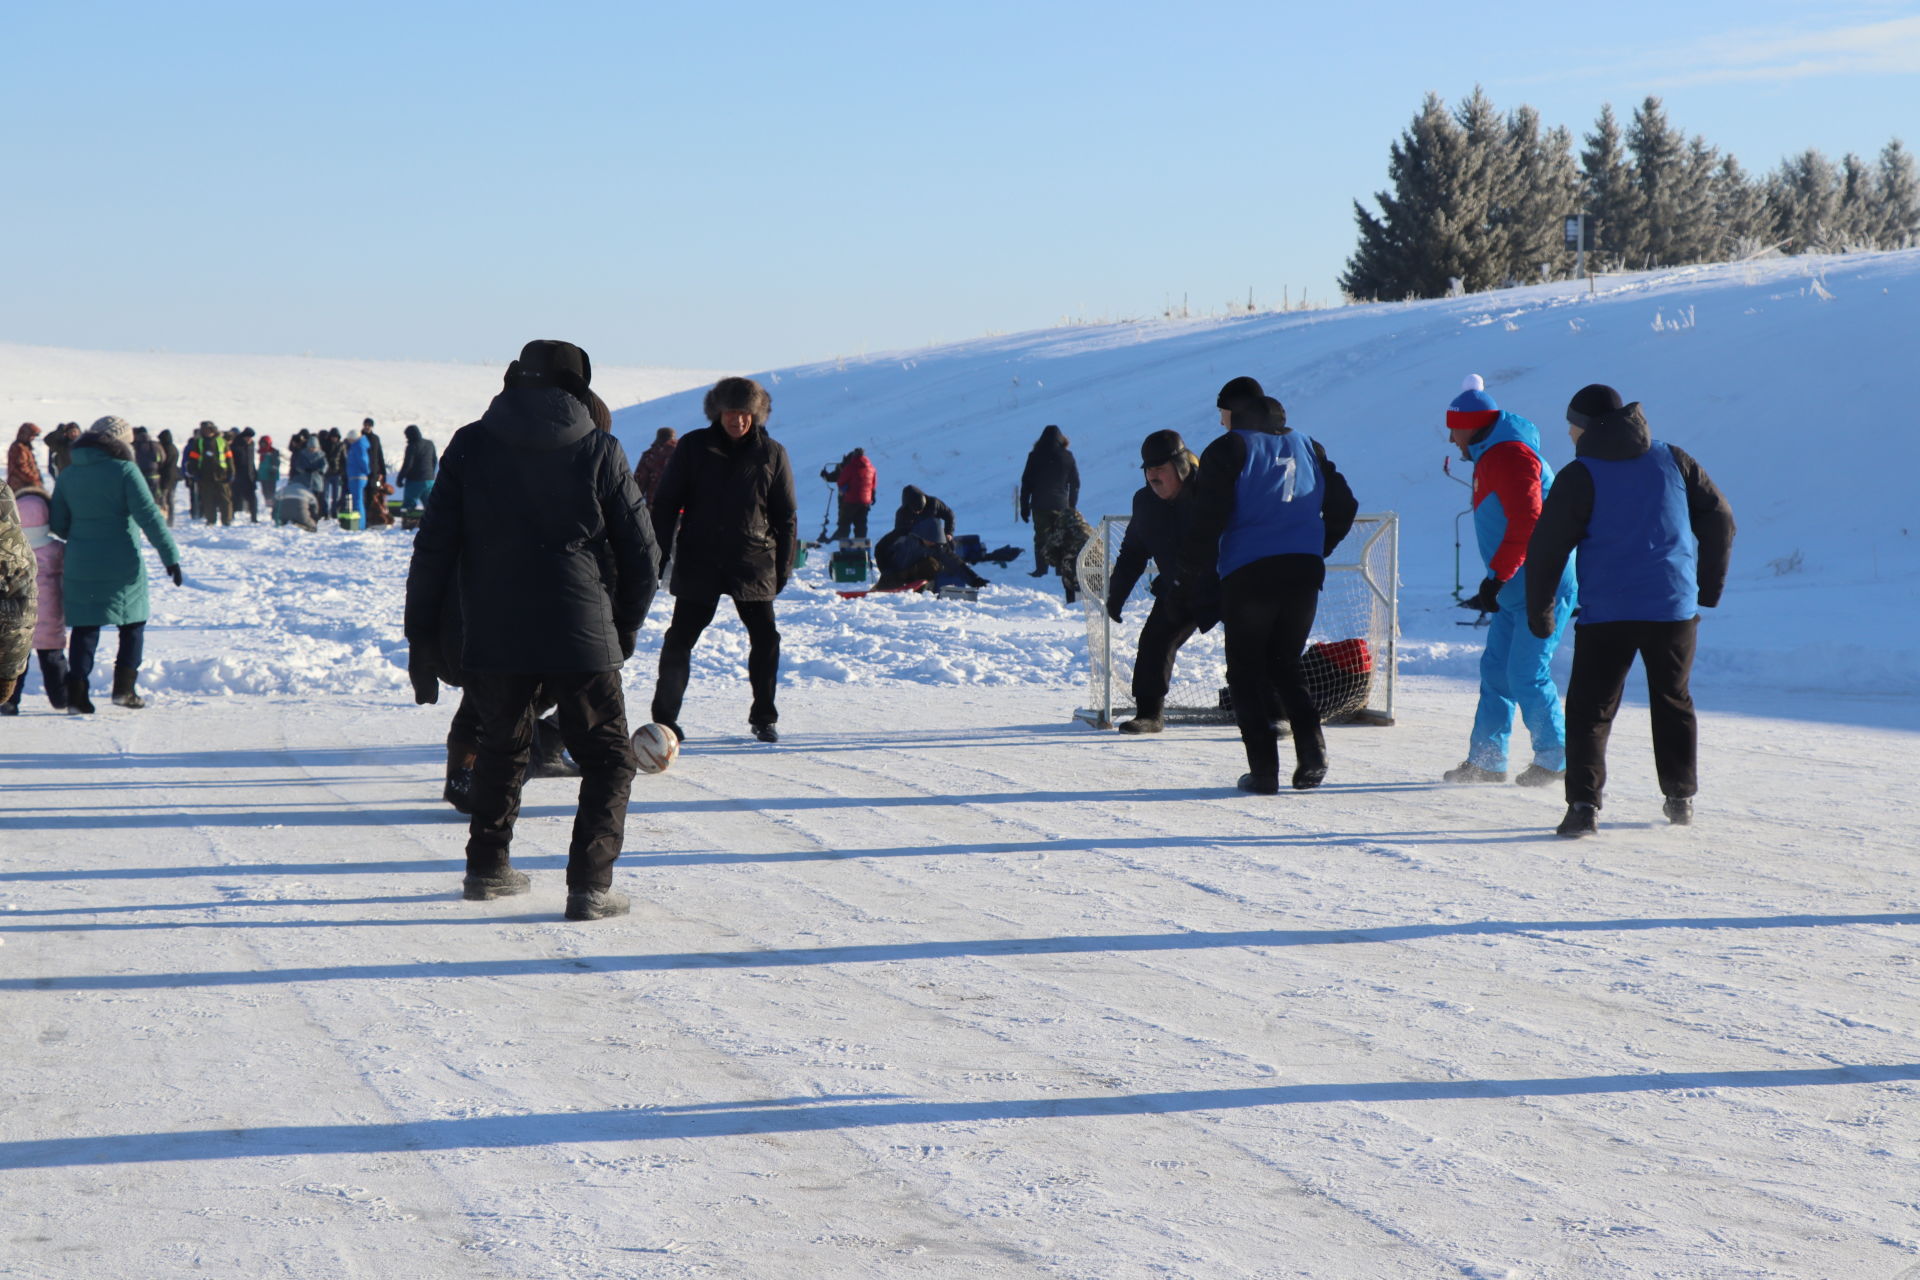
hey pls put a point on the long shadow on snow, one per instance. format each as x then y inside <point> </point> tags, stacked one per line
<point>895,952</point>
<point>645,1124</point>
<point>345,815</point>
<point>640,860</point>
<point>262,758</point>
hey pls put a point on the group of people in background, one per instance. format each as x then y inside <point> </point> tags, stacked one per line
<point>321,475</point>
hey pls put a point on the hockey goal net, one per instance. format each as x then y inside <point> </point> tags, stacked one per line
<point>1350,660</point>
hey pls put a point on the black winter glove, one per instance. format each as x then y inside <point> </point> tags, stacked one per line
<point>1485,599</point>
<point>1541,624</point>
<point>1114,607</point>
<point>426,680</point>
<point>627,640</point>
<point>173,571</point>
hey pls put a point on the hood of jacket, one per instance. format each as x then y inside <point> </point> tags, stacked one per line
<point>1617,436</point>
<point>539,419</point>
<point>96,448</point>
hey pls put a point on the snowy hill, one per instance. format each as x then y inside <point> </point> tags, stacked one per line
<point>1783,377</point>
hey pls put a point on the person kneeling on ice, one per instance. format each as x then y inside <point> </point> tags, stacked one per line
<point>553,590</point>
<point>725,513</point>
<point>922,552</point>
<point>297,505</point>
<point>1162,516</point>
<point>1654,538</point>
<point>1268,510</point>
<point>916,504</point>
<point>1510,480</point>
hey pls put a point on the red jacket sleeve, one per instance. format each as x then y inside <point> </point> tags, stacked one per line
<point>1510,471</point>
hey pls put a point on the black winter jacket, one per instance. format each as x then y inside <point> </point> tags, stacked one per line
<point>1051,480</point>
<point>536,513</point>
<point>1156,532</point>
<point>916,505</point>
<point>1215,485</point>
<point>419,463</point>
<point>1616,437</point>
<point>728,507</point>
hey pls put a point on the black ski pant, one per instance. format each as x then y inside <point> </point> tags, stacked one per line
<point>691,615</point>
<point>1603,653</point>
<point>246,497</point>
<point>853,520</point>
<point>1168,627</point>
<point>593,721</point>
<point>1268,608</point>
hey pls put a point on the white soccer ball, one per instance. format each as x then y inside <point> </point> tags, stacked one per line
<point>654,747</point>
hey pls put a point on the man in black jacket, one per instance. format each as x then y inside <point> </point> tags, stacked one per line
<point>1049,487</point>
<point>537,514</point>
<point>1654,538</point>
<point>1269,509</point>
<point>917,505</point>
<point>725,513</point>
<point>1163,511</point>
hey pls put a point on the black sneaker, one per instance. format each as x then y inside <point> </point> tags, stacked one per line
<point>597,904</point>
<point>1578,822</point>
<point>1471,772</point>
<point>1309,776</point>
<point>1142,724</point>
<point>1536,775</point>
<point>766,733</point>
<point>1261,784</point>
<point>501,884</point>
<point>1679,810</point>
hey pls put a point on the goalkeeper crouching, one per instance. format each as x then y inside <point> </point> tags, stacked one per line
<point>1163,511</point>
<point>1654,538</point>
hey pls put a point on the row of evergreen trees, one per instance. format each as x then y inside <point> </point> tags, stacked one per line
<point>1482,198</point>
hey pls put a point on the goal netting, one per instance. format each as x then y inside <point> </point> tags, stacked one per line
<point>1350,660</point>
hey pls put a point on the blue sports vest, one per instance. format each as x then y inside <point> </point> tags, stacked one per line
<point>1276,502</point>
<point>1639,560</point>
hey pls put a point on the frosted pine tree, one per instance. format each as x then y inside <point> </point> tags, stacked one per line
<point>1613,198</point>
<point>1899,222</point>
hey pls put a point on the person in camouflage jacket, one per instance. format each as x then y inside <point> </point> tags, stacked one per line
<point>1059,547</point>
<point>18,596</point>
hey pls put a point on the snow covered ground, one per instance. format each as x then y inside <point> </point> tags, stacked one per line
<point>944,986</point>
<point>947,985</point>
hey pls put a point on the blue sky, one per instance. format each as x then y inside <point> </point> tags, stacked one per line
<point>742,185</point>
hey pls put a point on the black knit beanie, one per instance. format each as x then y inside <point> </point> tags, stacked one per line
<point>1595,400</point>
<point>545,362</point>
<point>1239,394</point>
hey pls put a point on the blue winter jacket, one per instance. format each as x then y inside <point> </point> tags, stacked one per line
<point>1511,480</point>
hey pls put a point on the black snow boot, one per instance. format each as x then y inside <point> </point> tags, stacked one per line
<point>1538,775</point>
<point>766,733</point>
<point>1679,810</point>
<point>1578,822</point>
<point>1471,772</point>
<point>1260,784</point>
<point>11,707</point>
<point>596,904</point>
<point>78,703</point>
<point>1142,724</point>
<point>123,694</point>
<point>504,883</point>
<point>1310,775</point>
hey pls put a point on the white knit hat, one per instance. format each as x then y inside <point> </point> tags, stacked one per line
<point>116,429</point>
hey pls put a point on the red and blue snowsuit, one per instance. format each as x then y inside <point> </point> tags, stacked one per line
<point>1510,482</point>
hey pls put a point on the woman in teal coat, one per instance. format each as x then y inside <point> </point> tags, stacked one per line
<point>100,497</point>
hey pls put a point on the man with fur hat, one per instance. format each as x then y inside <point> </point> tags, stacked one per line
<point>1510,481</point>
<point>1162,516</point>
<point>1268,510</point>
<point>1654,538</point>
<point>536,524</point>
<point>726,516</point>
<point>23,469</point>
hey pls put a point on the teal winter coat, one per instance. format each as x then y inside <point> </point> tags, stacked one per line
<point>99,500</point>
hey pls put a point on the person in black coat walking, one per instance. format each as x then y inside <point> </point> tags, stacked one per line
<point>1049,486</point>
<point>1163,514</point>
<point>246,476</point>
<point>1654,538</point>
<point>536,513</point>
<point>1269,509</point>
<point>725,513</point>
